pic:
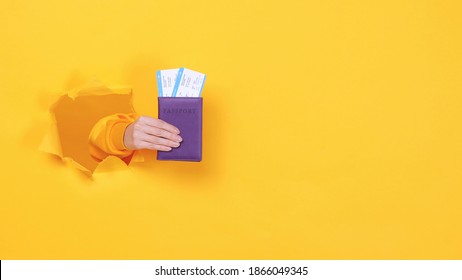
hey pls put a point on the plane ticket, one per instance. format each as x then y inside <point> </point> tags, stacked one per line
<point>166,80</point>
<point>180,82</point>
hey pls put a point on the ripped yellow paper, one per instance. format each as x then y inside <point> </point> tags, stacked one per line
<point>73,116</point>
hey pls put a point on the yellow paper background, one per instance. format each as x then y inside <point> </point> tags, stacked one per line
<point>332,130</point>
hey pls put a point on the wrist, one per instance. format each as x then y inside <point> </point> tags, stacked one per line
<point>118,136</point>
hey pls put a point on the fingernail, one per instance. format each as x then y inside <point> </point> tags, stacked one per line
<point>169,149</point>
<point>177,144</point>
<point>179,138</point>
<point>177,131</point>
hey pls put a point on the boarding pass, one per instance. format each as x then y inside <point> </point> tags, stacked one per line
<point>180,82</point>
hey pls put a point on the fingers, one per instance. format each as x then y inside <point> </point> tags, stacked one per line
<point>157,123</point>
<point>162,133</point>
<point>159,141</point>
<point>151,146</point>
<point>154,134</point>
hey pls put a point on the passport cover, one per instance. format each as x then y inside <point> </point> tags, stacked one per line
<point>186,114</point>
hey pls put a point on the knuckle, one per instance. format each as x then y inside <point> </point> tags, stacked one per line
<point>137,126</point>
<point>165,126</point>
<point>153,121</point>
<point>157,132</point>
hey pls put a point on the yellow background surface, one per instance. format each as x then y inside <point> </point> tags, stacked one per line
<point>332,130</point>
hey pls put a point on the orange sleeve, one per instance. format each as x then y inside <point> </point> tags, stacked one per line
<point>107,137</point>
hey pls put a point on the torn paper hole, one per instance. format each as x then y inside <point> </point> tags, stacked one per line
<point>73,116</point>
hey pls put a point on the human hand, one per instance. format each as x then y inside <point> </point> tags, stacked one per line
<point>153,134</point>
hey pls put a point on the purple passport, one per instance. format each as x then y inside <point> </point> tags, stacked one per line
<point>186,114</point>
